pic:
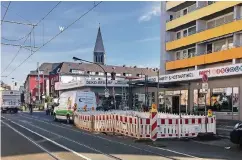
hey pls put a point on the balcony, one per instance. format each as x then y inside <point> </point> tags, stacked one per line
<point>214,57</point>
<point>199,13</point>
<point>173,4</point>
<point>206,35</point>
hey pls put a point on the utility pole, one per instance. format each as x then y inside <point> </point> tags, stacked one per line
<point>158,87</point>
<point>38,80</point>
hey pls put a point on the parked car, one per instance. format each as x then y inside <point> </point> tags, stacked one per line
<point>236,134</point>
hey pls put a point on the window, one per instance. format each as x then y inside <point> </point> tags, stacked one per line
<point>220,20</point>
<point>178,55</point>
<point>221,99</point>
<point>229,18</point>
<point>230,43</point>
<point>118,74</point>
<point>178,35</point>
<point>171,17</point>
<point>209,48</point>
<point>108,74</point>
<point>210,24</point>
<point>210,2</point>
<point>92,73</point>
<point>101,73</point>
<point>75,71</point>
<point>192,30</point>
<point>185,55</point>
<point>184,11</point>
<point>220,45</point>
<point>184,33</point>
<point>191,52</point>
<point>235,99</point>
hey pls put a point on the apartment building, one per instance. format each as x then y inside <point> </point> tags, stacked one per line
<point>202,37</point>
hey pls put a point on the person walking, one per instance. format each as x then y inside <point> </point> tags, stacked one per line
<point>30,107</point>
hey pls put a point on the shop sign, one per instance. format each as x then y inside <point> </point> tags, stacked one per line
<point>83,82</point>
<point>102,83</point>
<point>229,70</point>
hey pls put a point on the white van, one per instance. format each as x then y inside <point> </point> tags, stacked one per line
<point>71,101</point>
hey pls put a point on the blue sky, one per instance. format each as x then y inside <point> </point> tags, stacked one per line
<point>130,32</point>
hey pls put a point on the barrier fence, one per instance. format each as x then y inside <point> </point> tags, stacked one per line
<point>142,125</point>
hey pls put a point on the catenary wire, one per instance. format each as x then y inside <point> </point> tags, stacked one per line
<point>54,37</point>
<point>29,34</point>
<point>6,11</point>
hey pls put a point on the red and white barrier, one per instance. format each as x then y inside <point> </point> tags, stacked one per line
<point>153,127</point>
<point>104,123</point>
<point>83,121</point>
<point>153,118</point>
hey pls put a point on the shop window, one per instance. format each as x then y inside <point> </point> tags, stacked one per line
<point>199,100</point>
<point>184,100</point>
<point>221,99</point>
<point>235,101</point>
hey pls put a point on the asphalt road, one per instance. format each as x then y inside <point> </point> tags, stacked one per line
<point>36,136</point>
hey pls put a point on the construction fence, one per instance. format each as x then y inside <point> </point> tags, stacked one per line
<point>140,125</point>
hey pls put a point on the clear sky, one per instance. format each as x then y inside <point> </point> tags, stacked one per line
<point>130,33</point>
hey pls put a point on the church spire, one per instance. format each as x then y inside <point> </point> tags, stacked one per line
<point>99,51</point>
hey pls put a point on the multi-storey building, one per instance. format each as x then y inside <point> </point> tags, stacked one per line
<point>202,37</point>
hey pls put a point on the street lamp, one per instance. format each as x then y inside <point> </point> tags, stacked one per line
<point>82,60</point>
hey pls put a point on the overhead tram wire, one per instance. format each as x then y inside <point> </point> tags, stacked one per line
<point>6,11</point>
<point>34,25</point>
<point>29,34</point>
<point>55,37</point>
<point>17,14</point>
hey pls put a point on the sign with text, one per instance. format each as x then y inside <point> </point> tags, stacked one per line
<point>97,83</point>
<point>235,69</point>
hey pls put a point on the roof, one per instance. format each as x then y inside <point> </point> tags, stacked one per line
<point>46,67</point>
<point>67,66</point>
<point>99,47</point>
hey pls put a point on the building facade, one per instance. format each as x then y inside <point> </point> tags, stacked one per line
<point>90,77</point>
<point>202,37</point>
<point>32,82</point>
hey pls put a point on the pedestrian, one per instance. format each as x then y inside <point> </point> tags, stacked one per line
<point>31,107</point>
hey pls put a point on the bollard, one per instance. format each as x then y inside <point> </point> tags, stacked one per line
<point>153,121</point>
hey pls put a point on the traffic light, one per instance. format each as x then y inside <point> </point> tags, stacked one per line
<point>113,76</point>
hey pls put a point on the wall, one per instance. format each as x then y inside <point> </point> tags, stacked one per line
<point>52,79</point>
<point>33,85</point>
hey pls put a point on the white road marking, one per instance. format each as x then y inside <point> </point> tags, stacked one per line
<point>184,154</point>
<point>52,155</point>
<point>173,151</point>
<point>81,144</point>
<point>64,147</point>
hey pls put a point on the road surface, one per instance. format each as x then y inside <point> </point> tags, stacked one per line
<point>36,136</point>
